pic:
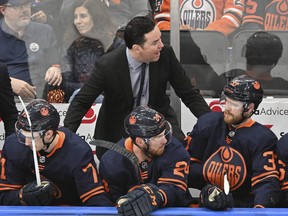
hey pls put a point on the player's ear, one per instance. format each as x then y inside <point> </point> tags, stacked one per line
<point>249,108</point>
<point>139,141</point>
<point>49,134</point>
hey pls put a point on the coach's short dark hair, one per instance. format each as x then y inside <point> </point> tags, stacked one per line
<point>136,29</point>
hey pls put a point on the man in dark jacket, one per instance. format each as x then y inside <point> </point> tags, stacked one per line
<point>8,110</point>
<point>118,75</point>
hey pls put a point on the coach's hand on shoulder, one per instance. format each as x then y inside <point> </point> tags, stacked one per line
<point>140,201</point>
<point>33,195</point>
<point>214,198</point>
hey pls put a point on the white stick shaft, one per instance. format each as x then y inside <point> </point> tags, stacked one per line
<point>37,172</point>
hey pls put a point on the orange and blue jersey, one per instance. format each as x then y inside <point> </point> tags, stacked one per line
<point>70,168</point>
<point>246,154</point>
<point>168,171</point>
<point>282,153</point>
<point>224,16</point>
<point>268,15</point>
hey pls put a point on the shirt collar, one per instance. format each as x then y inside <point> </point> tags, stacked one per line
<point>132,61</point>
<point>8,31</point>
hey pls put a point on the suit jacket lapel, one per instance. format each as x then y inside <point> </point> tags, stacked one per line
<point>153,79</point>
<point>124,76</point>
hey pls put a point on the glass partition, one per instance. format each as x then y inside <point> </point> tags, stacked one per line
<point>69,36</point>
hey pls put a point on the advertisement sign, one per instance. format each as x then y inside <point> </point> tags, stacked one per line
<point>85,131</point>
<point>272,112</point>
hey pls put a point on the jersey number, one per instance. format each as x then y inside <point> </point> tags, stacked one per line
<point>181,168</point>
<point>271,161</point>
<point>94,172</point>
<point>251,7</point>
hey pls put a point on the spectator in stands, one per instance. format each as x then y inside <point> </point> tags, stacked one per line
<point>121,11</point>
<point>231,143</point>
<point>118,74</point>
<point>265,15</point>
<point>223,16</point>
<point>67,167</point>
<point>282,154</point>
<point>8,110</point>
<point>48,11</point>
<point>262,52</point>
<point>95,36</point>
<point>29,49</point>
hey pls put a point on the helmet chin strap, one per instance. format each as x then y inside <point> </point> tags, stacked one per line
<point>245,110</point>
<point>145,151</point>
<point>47,144</point>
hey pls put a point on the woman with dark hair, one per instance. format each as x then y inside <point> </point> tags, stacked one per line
<point>91,35</point>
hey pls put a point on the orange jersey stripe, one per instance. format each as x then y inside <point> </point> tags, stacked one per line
<point>176,182</point>
<point>264,175</point>
<point>270,176</point>
<point>9,187</point>
<point>284,188</point>
<point>100,188</point>
<point>195,160</point>
<point>164,197</point>
<point>91,195</point>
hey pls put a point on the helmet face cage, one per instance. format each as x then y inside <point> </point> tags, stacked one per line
<point>167,134</point>
<point>146,123</point>
<point>244,89</point>
<point>224,104</point>
<point>43,116</point>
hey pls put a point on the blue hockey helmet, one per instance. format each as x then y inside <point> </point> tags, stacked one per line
<point>43,116</point>
<point>145,122</point>
<point>245,89</point>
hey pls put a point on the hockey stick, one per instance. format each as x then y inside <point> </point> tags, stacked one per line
<point>121,150</point>
<point>37,172</point>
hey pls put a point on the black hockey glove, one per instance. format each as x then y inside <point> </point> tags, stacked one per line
<point>33,195</point>
<point>140,201</point>
<point>214,198</point>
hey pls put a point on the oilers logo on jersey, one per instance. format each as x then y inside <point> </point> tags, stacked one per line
<point>225,160</point>
<point>276,15</point>
<point>197,13</point>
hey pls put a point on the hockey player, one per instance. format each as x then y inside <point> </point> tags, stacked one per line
<point>265,15</point>
<point>66,163</point>
<point>232,144</point>
<point>282,153</point>
<point>163,161</point>
<point>224,16</point>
